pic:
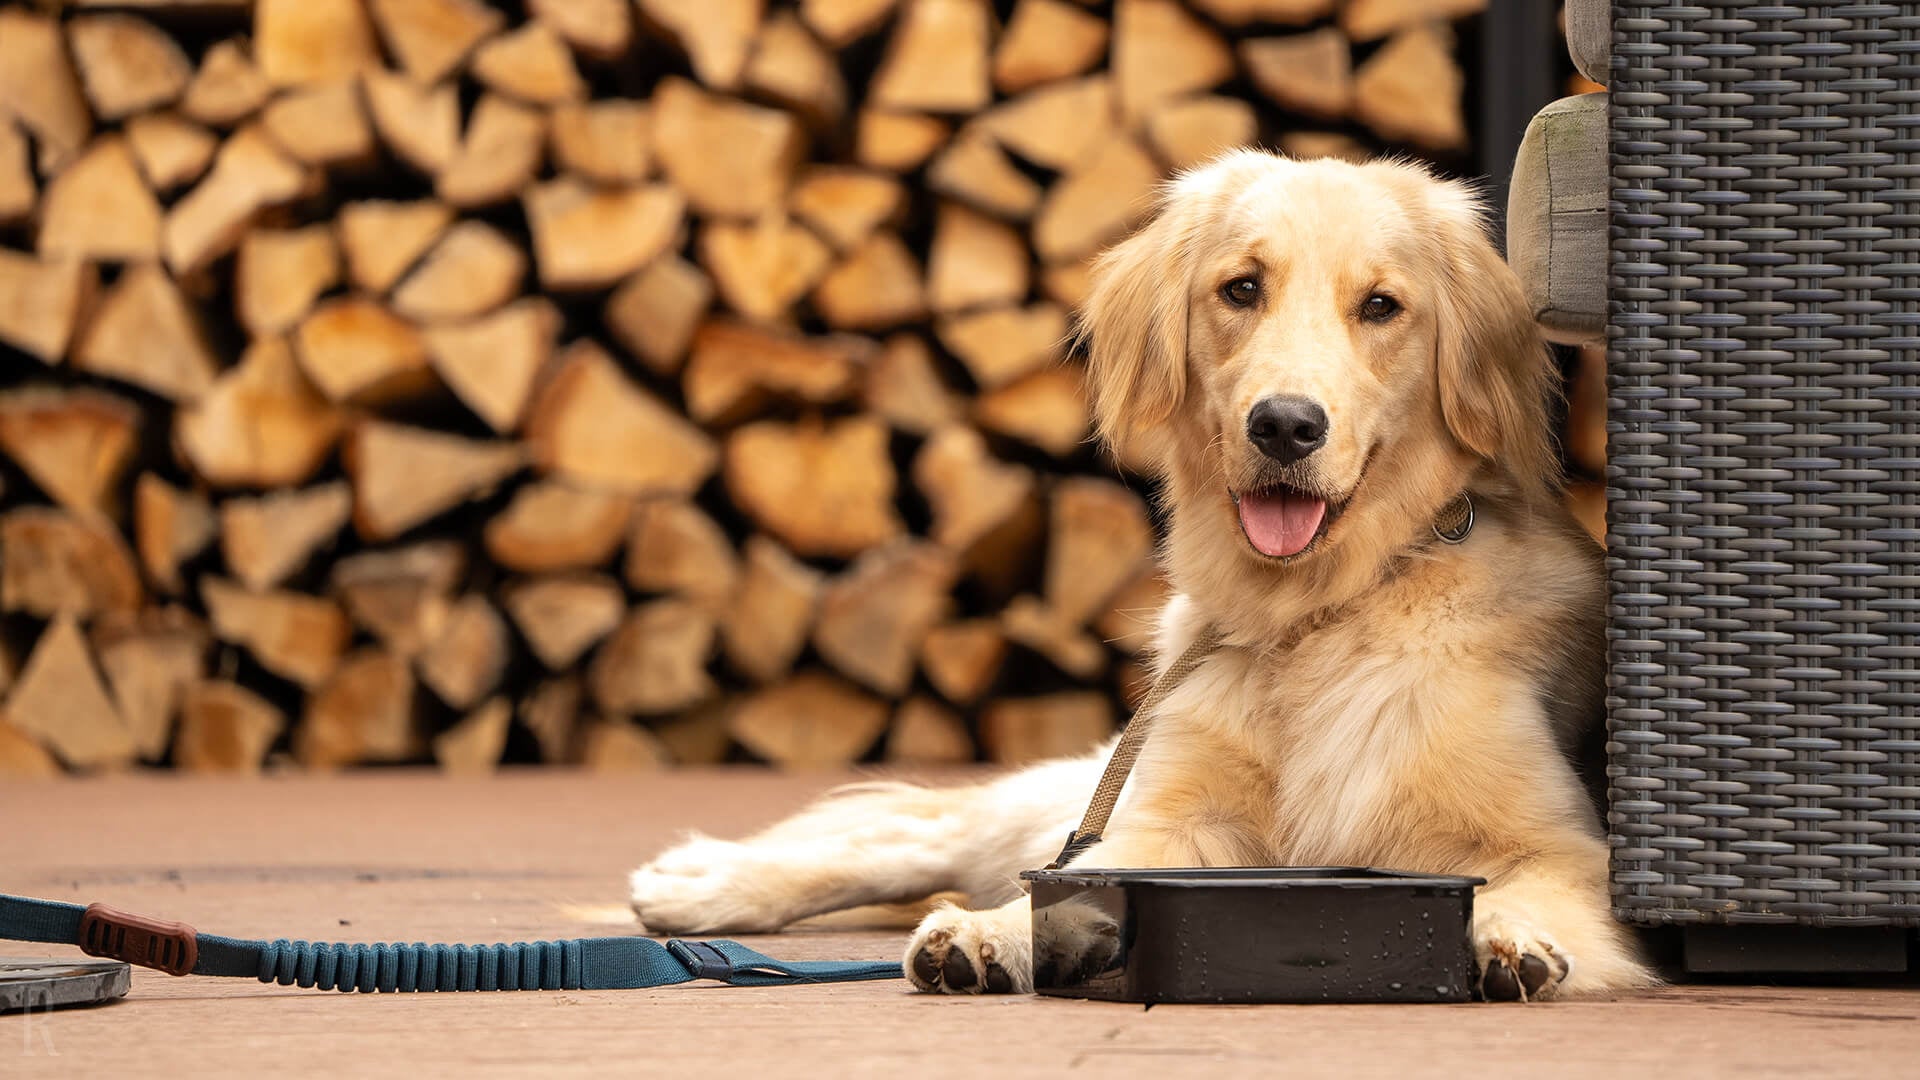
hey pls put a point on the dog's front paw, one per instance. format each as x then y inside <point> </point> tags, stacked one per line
<point>707,886</point>
<point>972,952</point>
<point>1516,960</point>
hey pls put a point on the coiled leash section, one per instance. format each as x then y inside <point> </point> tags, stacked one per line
<point>610,963</point>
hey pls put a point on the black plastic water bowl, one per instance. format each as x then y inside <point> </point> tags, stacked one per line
<point>1274,934</point>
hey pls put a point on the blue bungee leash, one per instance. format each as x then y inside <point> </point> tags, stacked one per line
<point>607,963</point>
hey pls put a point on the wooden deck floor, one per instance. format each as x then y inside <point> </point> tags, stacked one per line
<point>412,856</point>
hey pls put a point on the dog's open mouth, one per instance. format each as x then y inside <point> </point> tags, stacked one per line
<point>1281,521</point>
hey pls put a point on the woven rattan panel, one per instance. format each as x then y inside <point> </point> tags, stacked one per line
<point>1765,477</point>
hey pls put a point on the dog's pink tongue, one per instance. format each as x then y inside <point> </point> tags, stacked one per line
<point>1280,522</point>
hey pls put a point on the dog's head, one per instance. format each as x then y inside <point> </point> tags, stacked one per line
<point>1332,349</point>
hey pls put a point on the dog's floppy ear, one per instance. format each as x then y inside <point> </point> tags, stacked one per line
<point>1134,324</point>
<point>1493,364</point>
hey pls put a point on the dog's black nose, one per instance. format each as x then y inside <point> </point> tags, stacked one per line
<point>1287,429</point>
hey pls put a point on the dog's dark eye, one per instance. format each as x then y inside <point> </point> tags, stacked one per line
<point>1240,292</point>
<point>1379,308</point>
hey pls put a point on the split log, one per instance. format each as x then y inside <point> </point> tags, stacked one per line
<point>1098,203</point>
<point>735,368</point>
<point>225,728</point>
<point>975,170</point>
<point>53,562</point>
<point>1306,145</point>
<point>591,424</point>
<point>149,663</point>
<point>265,539</point>
<point>324,125</point>
<point>840,22</point>
<point>38,85</point>
<point>846,205</point>
<point>147,334</point>
<point>716,36</point>
<point>792,69</point>
<point>127,65</point>
<point>962,659</point>
<point>1133,679</point>
<point>608,142</point>
<point>279,274</point>
<point>60,700</point>
<point>925,732</point>
<point>261,425</point>
<point>1068,284</point>
<point>874,616</point>
<point>530,64</point>
<point>473,747</point>
<point>472,270</point>
<point>1306,73</point>
<point>1047,40</point>
<point>676,548</point>
<point>811,721</point>
<point>364,713</point>
<point>355,350</point>
<point>621,746</point>
<point>18,191</point>
<point>421,124</point>
<point>876,286</point>
<point>697,737</point>
<point>937,59</point>
<point>1161,52</point>
<point>587,238</point>
<point>1134,613</point>
<point>1047,409</point>
<point>822,489</point>
<point>403,476</point>
<point>762,267</point>
<point>1189,131</point>
<point>499,156</point>
<point>41,302</point>
<point>602,29</point>
<point>75,445</point>
<point>656,662</point>
<point>1247,12</point>
<point>729,159</point>
<point>1029,622</point>
<point>653,314</point>
<point>766,622</point>
<point>1409,90</point>
<point>170,527</point>
<point>99,208</point>
<point>1000,345</point>
<point>1587,501</point>
<point>227,89</point>
<point>551,712</point>
<point>564,615</point>
<point>432,38</point>
<point>297,42</point>
<point>976,261</point>
<point>904,388</point>
<point>249,174</point>
<point>1016,731</point>
<point>492,362</point>
<point>897,142</point>
<point>1101,540</point>
<point>401,595</point>
<point>382,240</point>
<point>295,636</point>
<point>22,758</point>
<point>171,151</point>
<point>1057,127</point>
<point>1368,20</point>
<point>468,660</point>
<point>973,494</point>
<point>554,526</point>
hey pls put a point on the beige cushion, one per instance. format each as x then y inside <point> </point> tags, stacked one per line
<point>1557,217</point>
<point>1590,37</point>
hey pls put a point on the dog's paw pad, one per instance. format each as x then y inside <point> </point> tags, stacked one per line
<point>966,952</point>
<point>1517,963</point>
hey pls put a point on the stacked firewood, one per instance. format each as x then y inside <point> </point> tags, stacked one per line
<point>617,381</point>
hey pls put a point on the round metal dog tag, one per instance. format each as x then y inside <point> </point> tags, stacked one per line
<point>27,985</point>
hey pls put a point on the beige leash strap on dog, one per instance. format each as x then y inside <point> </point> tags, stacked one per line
<point>1450,526</point>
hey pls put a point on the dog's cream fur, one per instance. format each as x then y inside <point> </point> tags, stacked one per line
<point>1425,719</point>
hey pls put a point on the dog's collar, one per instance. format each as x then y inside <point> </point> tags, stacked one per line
<point>1455,520</point>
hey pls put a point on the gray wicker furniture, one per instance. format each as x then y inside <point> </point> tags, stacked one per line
<point>1764,485</point>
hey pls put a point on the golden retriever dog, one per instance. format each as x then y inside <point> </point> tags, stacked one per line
<point>1320,358</point>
